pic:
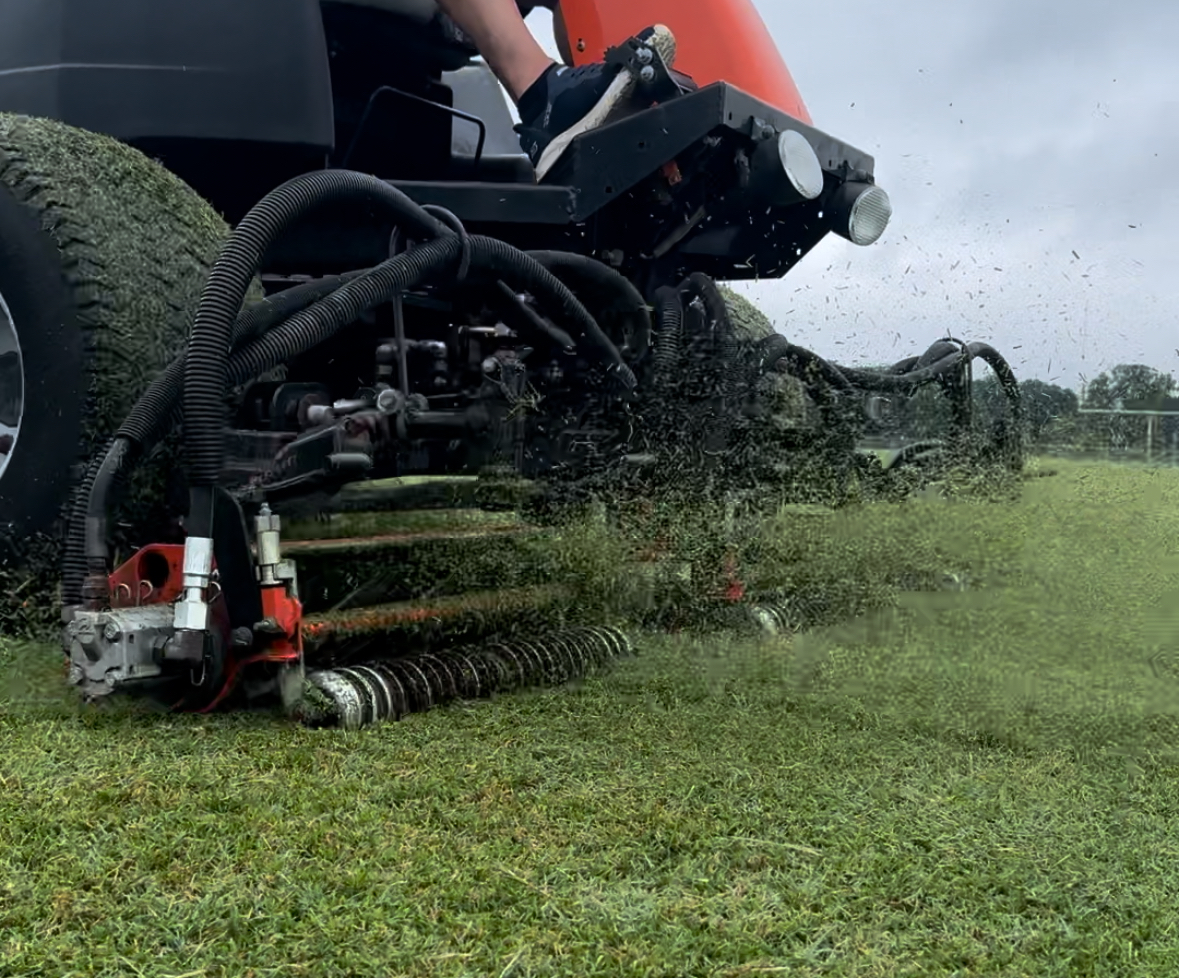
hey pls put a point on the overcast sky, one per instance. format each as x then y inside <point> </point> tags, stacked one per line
<point>1010,134</point>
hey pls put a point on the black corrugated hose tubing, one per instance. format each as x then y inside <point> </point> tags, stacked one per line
<point>941,358</point>
<point>499,257</point>
<point>905,375</point>
<point>73,567</point>
<point>209,347</point>
<point>109,473</point>
<point>723,350</point>
<point>714,302</point>
<point>903,366</point>
<point>312,326</point>
<point>319,323</point>
<point>161,406</point>
<point>582,272</point>
<point>301,332</point>
<point>154,415</point>
<point>669,306</point>
<point>777,347</point>
<point>871,380</point>
<point>726,348</point>
<point>937,351</point>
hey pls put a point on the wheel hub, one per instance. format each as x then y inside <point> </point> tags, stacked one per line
<point>12,397</point>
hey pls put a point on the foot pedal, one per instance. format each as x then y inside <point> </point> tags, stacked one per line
<point>649,62</point>
<point>643,79</point>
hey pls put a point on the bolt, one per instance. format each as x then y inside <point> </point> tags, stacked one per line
<point>390,402</point>
<point>645,55</point>
<point>269,626</point>
<point>647,75</point>
<point>75,675</point>
<point>111,632</point>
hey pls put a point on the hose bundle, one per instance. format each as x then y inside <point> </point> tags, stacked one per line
<point>227,348</point>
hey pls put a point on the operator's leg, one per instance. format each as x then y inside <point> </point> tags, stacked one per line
<point>556,103</point>
<point>504,40</point>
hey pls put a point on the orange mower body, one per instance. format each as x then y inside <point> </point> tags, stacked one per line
<point>718,40</point>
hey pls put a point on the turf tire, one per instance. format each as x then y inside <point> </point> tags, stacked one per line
<point>103,255</point>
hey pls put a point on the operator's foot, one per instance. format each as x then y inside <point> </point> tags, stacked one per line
<point>567,102</point>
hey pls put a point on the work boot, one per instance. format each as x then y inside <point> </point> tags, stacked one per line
<point>566,102</point>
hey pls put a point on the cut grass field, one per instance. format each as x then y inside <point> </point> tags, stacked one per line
<point>978,781</point>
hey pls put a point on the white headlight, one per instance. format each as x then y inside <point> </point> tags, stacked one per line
<point>870,215</point>
<point>860,212</point>
<point>801,164</point>
<point>785,170</point>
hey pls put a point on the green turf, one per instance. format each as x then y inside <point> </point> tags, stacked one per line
<point>978,781</point>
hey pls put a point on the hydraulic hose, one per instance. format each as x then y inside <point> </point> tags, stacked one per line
<point>503,260</point>
<point>1003,373</point>
<point>714,302</point>
<point>161,406</point>
<point>73,565</point>
<point>580,272</point>
<point>719,352</point>
<point>157,411</point>
<point>850,379</point>
<point>197,382</point>
<point>533,321</point>
<point>309,327</point>
<point>669,307</point>
<point>725,345</point>
<point>320,322</point>
<point>221,301</point>
<point>777,347</point>
<point>113,468</point>
<point>941,358</point>
<point>871,380</point>
<point>1012,442</point>
<point>903,366</point>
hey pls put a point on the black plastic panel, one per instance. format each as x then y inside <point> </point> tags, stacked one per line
<point>238,70</point>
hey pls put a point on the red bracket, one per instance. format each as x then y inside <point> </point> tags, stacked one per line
<point>153,575</point>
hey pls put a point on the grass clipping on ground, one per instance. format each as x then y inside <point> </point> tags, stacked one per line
<point>974,781</point>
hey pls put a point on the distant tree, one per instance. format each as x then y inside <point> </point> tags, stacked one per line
<point>1133,386</point>
<point>1046,405</point>
<point>1129,382</point>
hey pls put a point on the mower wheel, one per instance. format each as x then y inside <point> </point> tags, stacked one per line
<point>103,255</point>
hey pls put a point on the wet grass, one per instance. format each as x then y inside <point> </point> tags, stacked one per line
<point>979,780</point>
